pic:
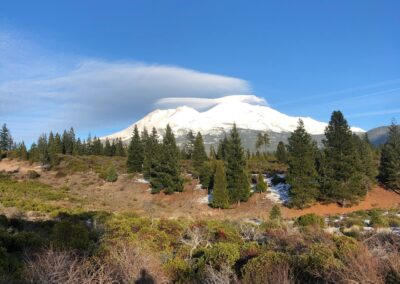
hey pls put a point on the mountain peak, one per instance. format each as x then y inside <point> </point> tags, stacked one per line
<point>247,111</point>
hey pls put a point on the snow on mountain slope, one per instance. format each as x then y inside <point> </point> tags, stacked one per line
<point>220,117</point>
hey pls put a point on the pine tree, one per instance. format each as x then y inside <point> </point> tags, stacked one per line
<point>262,139</point>
<point>199,155</point>
<point>212,154</point>
<point>5,139</point>
<point>79,147</point>
<point>236,172</point>
<point>222,146</point>
<point>367,157</point>
<point>302,173</point>
<point>220,194</point>
<point>261,185</point>
<point>111,174</point>
<point>58,144</point>
<point>344,181</point>
<point>152,152</point>
<point>167,174</point>
<point>189,145</point>
<point>134,162</point>
<point>96,147</point>
<point>43,151</point>
<point>119,148</point>
<point>275,213</point>
<point>281,153</point>
<point>389,170</point>
<point>23,153</point>
<point>107,148</point>
<point>52,151</point>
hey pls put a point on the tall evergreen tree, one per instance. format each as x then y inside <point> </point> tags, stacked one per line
<point>152,154</point>
<point>107,148</point>
<point>43,151</point>
<point>96,147</point>
<point>6,141</point>
<point>189,145</point>
<point>58,144</point>
<point>344,181</point>
<point>134,162</point>
<point>281,153</point>
<point>220,194</point>
<point>52,151</point>
<point>302,173</point>
<point>222,146</point>
<point>22,152</point>
<point>212,154</point>
<point>199,155</point>
<point>236,173</point>
<point>167,174</point>
<point>389,170</point>
<point>262,140</point>
<point>119,148</point>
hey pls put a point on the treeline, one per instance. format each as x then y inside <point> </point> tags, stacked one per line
<point>48,147</point>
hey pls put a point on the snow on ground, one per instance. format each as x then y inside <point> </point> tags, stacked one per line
<point>278,193</point>
<point>142,180</point>
<point>205,199</point>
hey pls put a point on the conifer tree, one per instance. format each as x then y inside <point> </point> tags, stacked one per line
<point>134,162</point>
<point>261,185</point>
<point>199,155</point>
<point>281,153</point>
<point>58,144</point>
<point>33,155</point>
<point>389,170</point>
<point>220,194</point>
<point>262,139</point>
<point>189,145</point>
<point>212,154</point>
<point>302,173</point>
<point>167,173</point>
<point>236,172</point>
<point>79,147</point>
<point>5,139</point>
<point>107,148</point>
<point>96,147</point>
<point>344,181</point>
<point>119,148</point>
<point>52,151</point>
<point>366,156</point>
<point>222,146</point>
<point>275,214</point>
<point>43,151</point>
<point>152,154</point>
<point>22,152</point>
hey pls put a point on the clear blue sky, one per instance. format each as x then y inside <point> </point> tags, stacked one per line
<point>304,57</point>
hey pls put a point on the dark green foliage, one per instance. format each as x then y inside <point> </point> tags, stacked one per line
<point>236,170</point>
<point>281,153</point>
<point>220,194</point>
<point>189,145</point>
<point>166,174</point>
<point>119,148</point>
<point>261,185</point>
<point>152,152</point>
<point>389,170</point>
<point>212,154</point>
<point>302,173</point>
<point>134,163</point>
<point>222,148</point>
<point>310,220</point>
<point>108,150</point>
<point>22,152</point>
<point>275,213</point>
<point>67,234</point>
<point>42,150</point>
<point>68,141</point>
<point>262,140</point>
<point>206,174</point>
<point>343,181</point>
<point>111,174</point>
<point>6,141</point>
<point>199,155</point>
<point>267,268</point>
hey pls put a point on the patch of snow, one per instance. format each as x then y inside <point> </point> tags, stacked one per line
<point>205,199</point>
<point>142,180</point>
<point>198,187</point>
<point>278,193</point>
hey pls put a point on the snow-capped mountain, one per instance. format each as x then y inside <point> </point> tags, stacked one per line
<point>220,117</point>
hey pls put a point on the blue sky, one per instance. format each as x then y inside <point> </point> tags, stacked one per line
<point>68,63</point>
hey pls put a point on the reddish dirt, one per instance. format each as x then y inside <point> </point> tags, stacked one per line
<point>378,197</point>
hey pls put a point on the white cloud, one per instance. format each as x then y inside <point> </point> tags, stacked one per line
<point>91,94</point>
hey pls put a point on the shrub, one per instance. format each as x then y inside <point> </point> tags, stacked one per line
<point>269,267</point>
<point>71,235</point>
<point>377,219</point>
<point>222,254</point>
<point>111,175</point>
<point>33,174</point>
<point>310,219</point>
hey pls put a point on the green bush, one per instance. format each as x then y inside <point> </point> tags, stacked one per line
<point>266,268</point>
<point>222,254</point>
<point>111,174</point>
<point>310,220</point>
<point>67,234</point>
